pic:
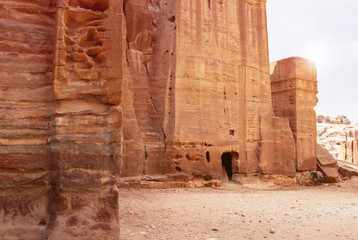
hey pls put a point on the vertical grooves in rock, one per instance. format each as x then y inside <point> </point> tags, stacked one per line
<point>149,60</point>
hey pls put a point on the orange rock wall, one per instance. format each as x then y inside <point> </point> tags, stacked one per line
<point>106,90</point>
<point>294,90</point>
<point>87,125</point>
<point>198,86</point>
<point>222,89</point>
<point>27,30</point>
<point>151,44</point>
<point>61,123</point>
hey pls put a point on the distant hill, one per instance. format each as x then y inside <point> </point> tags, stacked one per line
<point>332,131</point>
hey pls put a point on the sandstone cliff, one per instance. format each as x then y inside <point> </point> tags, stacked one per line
<point>60,118</point>
<point>97,91</point>
<point>198,88</point>
<point>26,98</point>
<point>222,100</point>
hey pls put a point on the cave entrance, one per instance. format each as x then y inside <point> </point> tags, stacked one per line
<point>226,161</point>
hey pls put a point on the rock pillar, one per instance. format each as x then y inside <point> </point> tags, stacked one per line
<point>294,90</point>
<point>87,124</point>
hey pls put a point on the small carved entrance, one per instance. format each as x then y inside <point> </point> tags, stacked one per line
<point>226,161</point>
<point>229,161</point>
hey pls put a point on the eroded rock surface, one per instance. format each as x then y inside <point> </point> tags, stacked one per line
<point>61,122</point>
<point>222,92</point>
<point>87,121</point>
<point>327,165</point>
<point>27,31</point>
<point>294,90</point>
<point>199,90</point>
<point>97,92</point>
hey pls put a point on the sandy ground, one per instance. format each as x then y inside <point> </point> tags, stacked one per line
<point>234,212</point>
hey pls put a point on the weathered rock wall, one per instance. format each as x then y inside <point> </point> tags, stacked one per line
<point>151,46</point>
<point>26,110</point>
<point>112,89</point>
<point>87,125</point>
<point>294,89</point>
<point>198,86</point>
<point>61,124</point>
<point>222,90</point>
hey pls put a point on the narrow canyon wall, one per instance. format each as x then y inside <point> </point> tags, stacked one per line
<point>27,30</point>
<point>294,90</point>
<point>61,120</point>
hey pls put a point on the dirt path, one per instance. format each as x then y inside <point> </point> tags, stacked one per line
<point>324,212</point>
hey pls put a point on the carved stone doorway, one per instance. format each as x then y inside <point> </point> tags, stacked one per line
<point>226,161</point>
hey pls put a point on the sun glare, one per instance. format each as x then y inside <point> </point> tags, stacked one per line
<point>317,53</point>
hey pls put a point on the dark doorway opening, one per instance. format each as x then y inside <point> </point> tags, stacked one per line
<point>208,156</point>
<point>226,161</point>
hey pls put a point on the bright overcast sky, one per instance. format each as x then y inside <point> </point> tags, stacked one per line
<point>325,31</point>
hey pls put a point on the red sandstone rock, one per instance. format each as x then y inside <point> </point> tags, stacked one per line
<point>222,91</point>
<point>26,93</point>
<point>60,118</point>
<point>294,89</point>
<point>103,90</point>
<point>328,165</point>
<point>194,96</point>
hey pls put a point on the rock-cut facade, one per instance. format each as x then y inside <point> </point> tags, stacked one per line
<point>97,92</point>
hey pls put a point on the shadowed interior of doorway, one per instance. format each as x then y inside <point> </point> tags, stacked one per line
<point>229,163</point>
